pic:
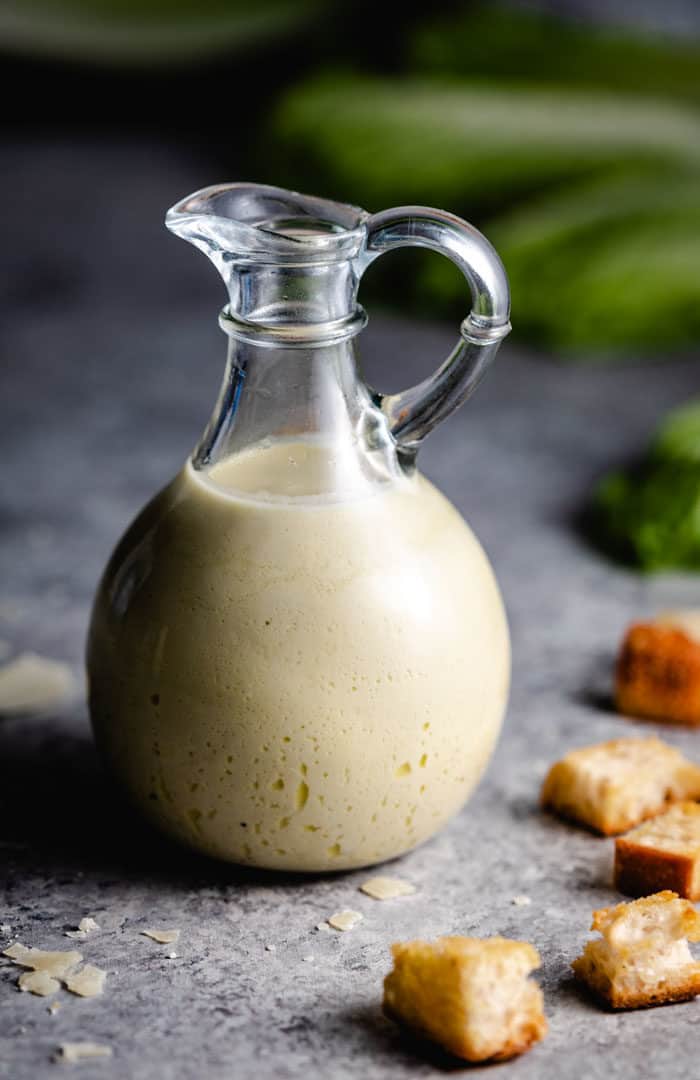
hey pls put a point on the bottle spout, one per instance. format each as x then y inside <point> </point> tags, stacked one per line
<point>263,241</point>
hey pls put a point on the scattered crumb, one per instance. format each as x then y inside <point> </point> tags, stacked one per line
<point>308,959</point>
<point>270,948</point>
<point>172,956</point>
<point>521,901</point>
<point>163,937</point>
<point>54,1007</point>
<point>72,1053</point>
<point>30,683</point>
<point>322,926</point>
<point>5,928</point>
<point>87,981</point>
<point>53,963</point>
<point>344,920</point>
<point>38,982</point>
<point>386,888</point>
<point>85,927</point>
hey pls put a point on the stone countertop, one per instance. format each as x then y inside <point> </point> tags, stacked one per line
<point>110,364</point>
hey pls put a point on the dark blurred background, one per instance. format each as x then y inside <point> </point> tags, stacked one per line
<point>568,130</point>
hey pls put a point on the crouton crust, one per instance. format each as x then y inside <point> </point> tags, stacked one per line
<point>662,854</point>
<point>657,675</point>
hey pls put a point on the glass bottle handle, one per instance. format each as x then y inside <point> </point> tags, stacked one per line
<point>414,412</point>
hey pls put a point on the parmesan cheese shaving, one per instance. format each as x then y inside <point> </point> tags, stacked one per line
<point>87,981</point>
<point>163,937</point>
<point>345,920</point>
<point>85,927</point>
<point>38,982</point>
<point>32,683</point>
<point>53,963</point>
<point>73,1053</point>
<point>386,888</point>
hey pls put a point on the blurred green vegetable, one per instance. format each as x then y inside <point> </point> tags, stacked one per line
<point>576,149</point>
<point>144,32</point>
<point>649,516</point>
<point>678,437</point>
<point>407,138</point>
<point>505,45</point>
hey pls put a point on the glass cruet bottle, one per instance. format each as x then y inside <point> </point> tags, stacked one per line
<point>298,656</point>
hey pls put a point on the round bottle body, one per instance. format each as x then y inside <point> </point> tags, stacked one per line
<point>296,683</point>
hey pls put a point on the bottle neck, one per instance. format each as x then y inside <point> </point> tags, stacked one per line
<point>308,399</point>
<point>272,294</point>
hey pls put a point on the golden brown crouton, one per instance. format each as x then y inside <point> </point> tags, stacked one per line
<point>471,996</point>
<point>614,785</point>
<point>658,670</point>
<point>642,957</point>
<point>661,854</point>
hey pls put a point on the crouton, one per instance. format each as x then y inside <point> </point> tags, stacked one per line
<point>661,854</point>
<point>471,996</point>
<point>615,785</point>
<point>642,957</point>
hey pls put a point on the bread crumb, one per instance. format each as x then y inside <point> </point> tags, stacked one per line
<point>5,928</point>
<point>38,982</point>
<point>270,948</point>
<point>53,963</point>
<point>172,956</point>
<point>386,888</point>
<point>472,996</point>
<point>322,926</point>
<point>54,1007</point>
<point>163,937</point>
<point>344,920</point>
<point>31,683</point>
<point>521,901</point>
<point>87,981</point>
<point>73,1053</point>
<point>85,926</point>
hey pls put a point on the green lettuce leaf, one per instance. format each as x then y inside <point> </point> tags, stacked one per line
<point>649,516</point>
<point>509,45</point>
<point>592,200</point>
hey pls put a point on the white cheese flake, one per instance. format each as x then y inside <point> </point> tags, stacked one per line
<point>32,683</point>
<point>163,937</point>
<point>521,901</point>
<point>53,963</point>
<point>386,888</point>
<point>74,1052</point>
<point>345,920</point>
<point>87,981</point>
<point>85,926</point>
<point>38,982</point>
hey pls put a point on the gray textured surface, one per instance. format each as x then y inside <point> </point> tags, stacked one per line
<point>109,369</point>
